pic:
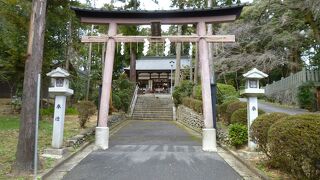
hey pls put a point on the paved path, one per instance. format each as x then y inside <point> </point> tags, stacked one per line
<point>269,107</point>
<point>153,150</point>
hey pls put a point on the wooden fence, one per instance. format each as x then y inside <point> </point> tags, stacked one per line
<point>293,81</point>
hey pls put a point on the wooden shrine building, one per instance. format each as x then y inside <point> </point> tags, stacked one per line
<point>154,73</point>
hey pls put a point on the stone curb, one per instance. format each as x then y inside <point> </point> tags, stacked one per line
<point>256,171</point>
<point>62,161</point>
<point>47,173</point>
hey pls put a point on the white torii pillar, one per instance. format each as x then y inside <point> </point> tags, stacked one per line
<point>102,131</point>
<point>209,142</point>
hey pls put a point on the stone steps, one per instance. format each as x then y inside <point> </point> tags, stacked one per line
<point>152,119</point>
<point>5,107</point>
<point>152,107</point>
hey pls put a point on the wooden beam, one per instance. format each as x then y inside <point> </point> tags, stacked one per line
<point>192,38</point>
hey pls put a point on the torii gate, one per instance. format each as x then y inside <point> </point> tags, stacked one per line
<point>140,17</point>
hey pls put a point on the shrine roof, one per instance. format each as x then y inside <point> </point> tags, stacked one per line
<point>149,14</point>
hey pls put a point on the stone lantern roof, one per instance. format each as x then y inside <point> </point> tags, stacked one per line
<point>59,72</point>
<point>255,74</point>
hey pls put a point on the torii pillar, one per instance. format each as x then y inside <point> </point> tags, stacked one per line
<point>102,130</point>
<point>209,142</point>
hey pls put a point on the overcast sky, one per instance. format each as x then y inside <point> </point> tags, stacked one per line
<point>147,4</point>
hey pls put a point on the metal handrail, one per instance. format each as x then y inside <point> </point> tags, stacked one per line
<point>133,100</point>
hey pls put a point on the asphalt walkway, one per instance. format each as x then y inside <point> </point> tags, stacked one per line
<point>153,150</point>
<point>269,108</point>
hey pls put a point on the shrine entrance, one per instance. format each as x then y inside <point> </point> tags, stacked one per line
<point>200,17</point>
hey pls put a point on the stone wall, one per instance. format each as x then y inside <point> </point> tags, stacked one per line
<point>115,119</point>
<point>190,118</point>
<point>194,120</point>
<point>79,139</point>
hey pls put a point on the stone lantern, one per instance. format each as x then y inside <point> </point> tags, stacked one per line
<point>60,89</point>
<point>251,91</point>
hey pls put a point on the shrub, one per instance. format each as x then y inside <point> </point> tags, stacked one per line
<point>259,129</point>
<point>240,116</point>
<point>194,104</point>
<point>294,145</point>
<point>184,90</point>
<point>50,111</point>
<point>225,90</point>
<point>71,111</point>
<point>125,97</point>
<point>232,107</point>
<point>238,134</point>
<point>47,111</point>
<point>116,101</point>
<point>86,109</point>
<point>222,109</point>
<point>230,98</point>
<point>122,93</point>
<point>306,96</point>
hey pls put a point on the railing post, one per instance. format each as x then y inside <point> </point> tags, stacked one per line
<point>305,77</point>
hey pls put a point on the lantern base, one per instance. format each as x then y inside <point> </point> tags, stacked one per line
<point>102,138</point>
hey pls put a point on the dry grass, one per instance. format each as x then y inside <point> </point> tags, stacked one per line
<point>9,131</point>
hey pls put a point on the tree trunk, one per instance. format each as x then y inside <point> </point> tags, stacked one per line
<point>295,60</point>
<point>310,20</point>
<point>133,57</point>
<point>69,48</point>
<point>178,60</point>
<point>33,66</point>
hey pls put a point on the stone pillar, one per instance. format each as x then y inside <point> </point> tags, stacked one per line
<point>58,121</point>
<point>209,133</point>
<point>252,110</point>
<point>102,131</point>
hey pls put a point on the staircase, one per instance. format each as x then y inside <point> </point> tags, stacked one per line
<point>5,107</point>
<point>153,107</point>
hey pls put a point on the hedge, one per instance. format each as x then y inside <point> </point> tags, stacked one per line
<point>259,129</point>
<point>181,91</point>
<point>232,107</point>
<point>294,143</point>
<point>222,108</point>
<point>224,91</point>
<point>240,116</point>
<point>194,104</point>
<point>230,98</point>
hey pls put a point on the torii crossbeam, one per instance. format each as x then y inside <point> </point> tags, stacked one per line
<point>201,17</point>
